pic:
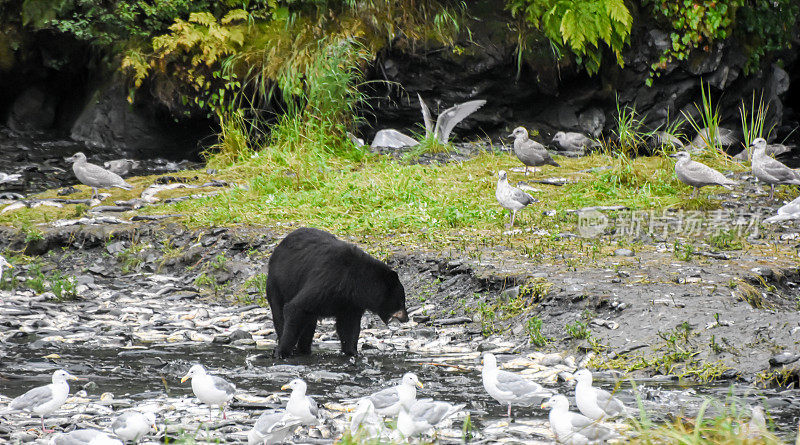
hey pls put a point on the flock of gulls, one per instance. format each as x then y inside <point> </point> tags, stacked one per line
<point>764,167</point>
<point>414,417</point>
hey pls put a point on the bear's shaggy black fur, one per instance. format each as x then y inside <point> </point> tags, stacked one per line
<point>313,275</point>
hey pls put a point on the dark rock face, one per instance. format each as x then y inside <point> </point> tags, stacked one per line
<point>109,121</point>
<point>550,95</point>
<point>33,109</point>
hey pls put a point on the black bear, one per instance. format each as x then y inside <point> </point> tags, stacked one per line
<point>313,275</point>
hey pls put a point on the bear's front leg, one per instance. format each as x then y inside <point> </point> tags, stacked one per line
<point>348,326</point>
<point>295,321</point>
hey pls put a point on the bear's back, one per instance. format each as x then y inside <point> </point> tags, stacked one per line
<point>313,257</point>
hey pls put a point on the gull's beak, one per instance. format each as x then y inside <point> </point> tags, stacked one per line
<point>674,155</point>
<point>401,315</point>
<point>510,135</point>
<point>349,409</point>
<point>10,265</point>
<point>77,379</point>
<point>545,405</point>
<point>570,378</point>
<point>155,427</point>
<point>419,384</point>
<point>285,387</point>
<point>184,378</point>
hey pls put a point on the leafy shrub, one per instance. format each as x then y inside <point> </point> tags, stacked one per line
<point>581,26</point>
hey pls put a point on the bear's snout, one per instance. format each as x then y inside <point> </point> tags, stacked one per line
<point>401,315</point>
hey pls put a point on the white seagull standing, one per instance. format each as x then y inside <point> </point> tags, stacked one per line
<point>509,388</point>
<point>769,170</point>
<point>387,401</point>
<point>210,389</point>
<point>300,406</point>
<point>131,426</point>
<point>573,428</point>
<point>3,264</point>
<point>595,403</point>
<point>44,400</point>
<point>510,197</point>
<point>446,121</point>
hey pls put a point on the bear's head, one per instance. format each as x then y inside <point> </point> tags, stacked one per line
<point>393,303</point>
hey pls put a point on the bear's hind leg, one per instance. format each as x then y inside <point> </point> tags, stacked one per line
<point>306,338</point>
<point>348,326</point>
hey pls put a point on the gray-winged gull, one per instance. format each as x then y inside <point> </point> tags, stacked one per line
<point>210,389</point>
<point>44,400</point>
<point>387,401</point>
<point>509,388</point>
<point>724,137</point>
<point>418,417</point>
<point>300,406</point>
<point>366,419</point>
<point>697,174</point>
<point>121,166</point>
<point>574,141</point>
<point>530,152</point>
<point>511,197</point>
<point>769,170</point>
<point>786,212</point>
<point>84,437</point>
<point>131,426</point>
<point>665,139</point>
<point>595,403</point>
<point>773,150</point>
<point>392,138</point>
<point>95,176</point>
<point>573,428</point>
<point>272,428</point>
<point>448,119</point>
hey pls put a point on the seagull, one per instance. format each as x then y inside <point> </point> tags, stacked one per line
<point>663,138</point>
<point>84,437</point>
<point>387,401</point>
<point>121,166</point>
<point>724,137</point>
<point>788,211</point>
<point>757,426</point>
<point>210,389</point>
<point>510,197</point>
<point>418,417</point>
<point>530,152</point>
<point>301,406</point>
<point>773,150</point>
<point>595,403</point>
<point>3,264</point>
<point>573,428</point>
<point>448,119</point>
<point>366,419</point>
<point>769,170</point>
<point>6,177</point>
<point>95,176</point>
<point>574,141</point>
<point>44,400</point>
<point>509,388</point>
<point>133,425</point>
<point>697,174</point>
<point>271,428</point>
